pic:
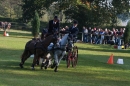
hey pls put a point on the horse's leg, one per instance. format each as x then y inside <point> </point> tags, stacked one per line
<point>24,57</point>
<point>34,61</point>
<point>59,59</point>
<point>55,62</point>
<point>43,63</point>
<point>46,63</point>
<point>47,60</point>
<point>37,61</point>
<point>44,60</point>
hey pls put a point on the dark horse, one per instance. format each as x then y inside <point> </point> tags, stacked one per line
<point>42,48</point>
<point>32,45</point>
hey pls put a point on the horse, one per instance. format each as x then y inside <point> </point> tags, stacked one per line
<point>60,50</point>
<point>30,48</point>
<point>44,34</point>
<point>41,48</point>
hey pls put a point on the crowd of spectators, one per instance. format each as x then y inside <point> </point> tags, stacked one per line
<point>5,25</point>
<point>103,36</point>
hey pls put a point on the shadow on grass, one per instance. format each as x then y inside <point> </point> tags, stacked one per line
<point>14,65</point>
<point>83,59</point>
<point>91,70</point>
<point>11,58</point>
<point>70,75</point>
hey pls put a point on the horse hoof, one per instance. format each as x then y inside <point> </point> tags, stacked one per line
<point>55,71</point>
<point>52,66</point>
<point>45,67</point>
<point>37,63</point>
<point>33,68</point>
<point>41,67</point>
<point>21,66</point>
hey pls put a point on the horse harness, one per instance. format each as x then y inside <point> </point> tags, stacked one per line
<point>41,46</point>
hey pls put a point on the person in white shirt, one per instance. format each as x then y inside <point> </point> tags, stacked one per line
<point>85,34</point>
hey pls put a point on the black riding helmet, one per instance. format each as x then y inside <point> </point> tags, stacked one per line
<point>75,22</point>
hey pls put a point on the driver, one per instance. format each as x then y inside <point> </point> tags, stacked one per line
<point>54,26</point>
<point>73,31</point>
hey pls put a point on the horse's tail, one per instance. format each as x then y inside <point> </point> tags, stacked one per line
<point>25,53</point>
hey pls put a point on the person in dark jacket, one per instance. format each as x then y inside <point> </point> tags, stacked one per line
<point>53,26</point>
<point>73,31</point>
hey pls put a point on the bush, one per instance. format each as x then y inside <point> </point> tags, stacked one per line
<point>35,25</point>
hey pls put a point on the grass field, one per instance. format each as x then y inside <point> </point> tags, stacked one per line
<point>92,68</point>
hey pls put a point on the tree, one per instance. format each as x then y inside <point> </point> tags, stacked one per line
<point>35,25</point>
<point>97,12</point>
<point>127,33</point>
<point>10,8</point>
<point>29,7</point>
<point>122,8</point>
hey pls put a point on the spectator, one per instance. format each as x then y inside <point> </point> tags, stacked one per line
<point>89,34</point>
<point>102,36</point>
<point>6,25</point>
<point>9,26</point>
<point>97,36</point>
<point>85,34</point>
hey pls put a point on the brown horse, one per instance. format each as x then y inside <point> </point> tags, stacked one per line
<point>29,50</point>
<point>44,35</point>
<point>42,48</point>
<point>31,46</point>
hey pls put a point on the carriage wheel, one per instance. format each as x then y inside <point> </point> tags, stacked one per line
<point>68,63</point>
<point>75,56</point>
<point>73,62</point>
<point>69,59</point>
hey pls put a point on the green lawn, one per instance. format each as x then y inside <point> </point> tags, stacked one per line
<point>92,68</point>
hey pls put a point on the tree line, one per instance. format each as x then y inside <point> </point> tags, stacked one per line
<point>87,12</point>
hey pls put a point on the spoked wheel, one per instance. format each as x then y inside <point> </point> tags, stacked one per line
<point>73,62</point>
<point>75,56</point>
<point>68,60</point>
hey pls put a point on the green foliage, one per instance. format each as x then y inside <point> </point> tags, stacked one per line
<point>29,7</point>
<point>10,8</point>
<point>121,6</point>
<point>87,12</point>
<point>35,25</point>
<point>78,13</point>
<point>97,12</point>
<point>127,33</point>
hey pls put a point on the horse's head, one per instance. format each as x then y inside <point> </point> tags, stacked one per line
<point>55,39</point>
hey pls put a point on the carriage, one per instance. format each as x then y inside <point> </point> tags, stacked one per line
<point>41,50</point>
<point>67,50</point>
<point>72,57</point>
